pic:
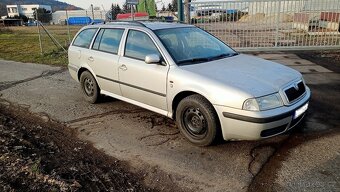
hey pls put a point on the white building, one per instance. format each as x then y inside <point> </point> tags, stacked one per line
<point>27,10</point>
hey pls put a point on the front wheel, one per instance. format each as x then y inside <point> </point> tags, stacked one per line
<point>197,120</point>
<point>89,87</point>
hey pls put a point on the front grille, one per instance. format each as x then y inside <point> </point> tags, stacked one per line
<point>292,93</point>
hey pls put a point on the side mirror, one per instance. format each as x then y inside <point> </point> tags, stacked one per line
<point>152,59</point>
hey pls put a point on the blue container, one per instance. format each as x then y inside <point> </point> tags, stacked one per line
<point>79,20</point>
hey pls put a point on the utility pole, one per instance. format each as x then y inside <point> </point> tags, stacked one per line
<point>92,12</point>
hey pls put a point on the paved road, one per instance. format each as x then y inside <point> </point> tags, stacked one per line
<point>307,159</point>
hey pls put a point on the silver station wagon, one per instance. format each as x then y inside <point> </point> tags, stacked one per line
<point>187,74</point>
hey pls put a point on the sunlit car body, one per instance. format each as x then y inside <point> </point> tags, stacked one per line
<point>185,73</point>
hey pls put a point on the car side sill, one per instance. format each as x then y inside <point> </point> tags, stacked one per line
<point>151,108</point>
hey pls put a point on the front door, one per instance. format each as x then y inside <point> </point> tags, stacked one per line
<point>139,81</point>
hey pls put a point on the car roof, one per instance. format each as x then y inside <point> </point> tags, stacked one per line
<point>148,24</point>
<point>164,25</point>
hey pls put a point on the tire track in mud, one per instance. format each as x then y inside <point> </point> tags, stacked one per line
<point>114,112</point>
<point>169,136</point>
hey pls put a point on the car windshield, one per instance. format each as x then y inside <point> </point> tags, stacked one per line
<point>191,45</point>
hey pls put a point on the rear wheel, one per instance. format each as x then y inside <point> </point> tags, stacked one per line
<point>197,120</point>
<point>89,87</point>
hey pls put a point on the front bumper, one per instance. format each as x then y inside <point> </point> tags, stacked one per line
<point>239,124</point>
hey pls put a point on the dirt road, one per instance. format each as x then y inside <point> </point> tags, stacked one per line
<point>307,159</point>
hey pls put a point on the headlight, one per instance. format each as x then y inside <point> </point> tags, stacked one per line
<point>251,105</point>
<point>263,103</point>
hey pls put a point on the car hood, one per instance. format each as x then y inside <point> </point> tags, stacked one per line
<point>250,74</point>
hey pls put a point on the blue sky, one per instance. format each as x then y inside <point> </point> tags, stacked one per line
<point>85,4</point>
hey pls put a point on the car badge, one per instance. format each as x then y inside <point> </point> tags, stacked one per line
<point>296,86</point>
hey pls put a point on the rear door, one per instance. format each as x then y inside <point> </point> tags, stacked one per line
<point>103,59</point>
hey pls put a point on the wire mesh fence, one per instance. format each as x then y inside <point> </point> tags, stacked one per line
<point>250,25</point>
<point>52,36</point>
<point>45,42</point>
<point>58,34</point>
<point>246,25</point>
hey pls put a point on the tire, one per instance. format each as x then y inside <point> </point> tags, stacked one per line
<point>89,87</point>
<point>197,120</point>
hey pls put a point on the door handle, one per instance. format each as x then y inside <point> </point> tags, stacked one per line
<point>91,59</point>
<point>123,67</point>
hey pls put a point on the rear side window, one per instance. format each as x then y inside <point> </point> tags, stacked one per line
<point>84,38</point>
<point>138,45</point>
<point>108,40</point>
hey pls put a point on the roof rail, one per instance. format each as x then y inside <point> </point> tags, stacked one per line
<point>135,23</point>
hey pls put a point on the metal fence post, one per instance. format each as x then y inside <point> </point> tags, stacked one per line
<point>180,11</point>
<point>277,24</point>
<point>37,23</point>
<point>68,28</point>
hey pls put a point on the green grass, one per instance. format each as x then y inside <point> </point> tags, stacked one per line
<point>22,44</point>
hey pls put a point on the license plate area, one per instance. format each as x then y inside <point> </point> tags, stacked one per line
<point>300,111</point>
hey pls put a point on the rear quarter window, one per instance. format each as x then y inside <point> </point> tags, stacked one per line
<point>84,38</point>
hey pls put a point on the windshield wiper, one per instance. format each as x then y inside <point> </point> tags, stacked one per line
<point>204,59</point>
<point>224,55</point>
<point>193,60</point>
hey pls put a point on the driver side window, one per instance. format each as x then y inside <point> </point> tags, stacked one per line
<point>138,45</point>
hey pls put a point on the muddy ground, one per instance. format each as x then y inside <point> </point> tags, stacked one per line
<point>47,156</point>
